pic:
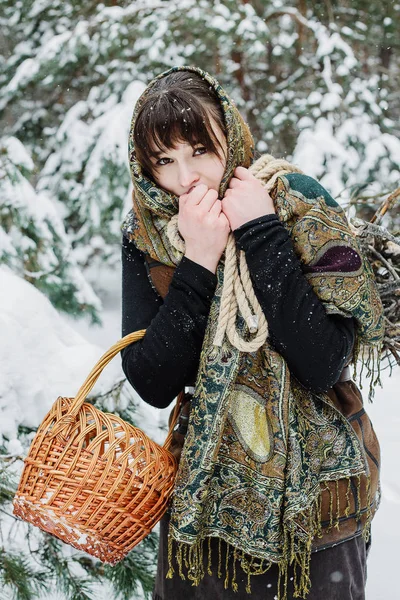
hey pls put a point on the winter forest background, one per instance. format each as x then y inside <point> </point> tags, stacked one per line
<point>318,83</point>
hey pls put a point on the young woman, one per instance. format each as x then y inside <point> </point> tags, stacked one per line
<point>263,298</point>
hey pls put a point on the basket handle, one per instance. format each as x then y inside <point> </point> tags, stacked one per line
<point>63,425</point>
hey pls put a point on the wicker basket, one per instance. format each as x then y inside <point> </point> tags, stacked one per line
<point>93,480</point>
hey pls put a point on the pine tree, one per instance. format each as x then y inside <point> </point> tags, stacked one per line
<point>292,67</point>
<point>34,244</point>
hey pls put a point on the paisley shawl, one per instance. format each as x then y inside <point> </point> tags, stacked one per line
<point>259,446</point>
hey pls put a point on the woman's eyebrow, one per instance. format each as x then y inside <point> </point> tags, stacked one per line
<point>156,153</point>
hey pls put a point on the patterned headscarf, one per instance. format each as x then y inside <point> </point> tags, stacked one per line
<point>260,493</point>
<point>153,206</point>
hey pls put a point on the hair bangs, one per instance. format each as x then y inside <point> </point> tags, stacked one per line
<point>171,116</point>
<point>182,124</point>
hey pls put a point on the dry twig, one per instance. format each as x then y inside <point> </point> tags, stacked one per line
<point>383,252</point>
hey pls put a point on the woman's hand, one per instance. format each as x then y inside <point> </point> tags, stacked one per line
<point>245,199</point>
<point>203,226</point>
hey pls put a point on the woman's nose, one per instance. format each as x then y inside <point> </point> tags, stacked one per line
<point>187,176</point>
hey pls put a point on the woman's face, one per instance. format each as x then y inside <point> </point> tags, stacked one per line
<point>180,168</point>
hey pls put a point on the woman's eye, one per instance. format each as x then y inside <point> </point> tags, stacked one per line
<point>200,149</point>
<point>161,163</point>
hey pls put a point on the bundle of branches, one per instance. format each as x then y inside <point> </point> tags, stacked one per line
<point>383,251</point>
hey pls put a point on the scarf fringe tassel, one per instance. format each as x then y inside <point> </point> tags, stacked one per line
<point>296,553</point>
<point>371,357</point>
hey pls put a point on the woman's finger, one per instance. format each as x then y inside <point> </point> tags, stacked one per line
<point>216,208</point>
<point>196,195</point>
<point>233,182</point>
<point>208,200</point>
<point>242,173</point>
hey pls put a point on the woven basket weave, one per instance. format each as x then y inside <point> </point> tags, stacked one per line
<point>93,480</point>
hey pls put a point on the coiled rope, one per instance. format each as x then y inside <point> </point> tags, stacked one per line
<point>237,291</point>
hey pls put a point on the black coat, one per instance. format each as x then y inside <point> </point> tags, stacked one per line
<point>315,345</point>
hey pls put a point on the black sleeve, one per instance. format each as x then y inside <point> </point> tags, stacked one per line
<point>315,345</point>
<point>166,360</point>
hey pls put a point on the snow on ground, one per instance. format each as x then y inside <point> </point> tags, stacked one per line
<point>60,351</point>
<point>384,413</point>
<point>41,356</point>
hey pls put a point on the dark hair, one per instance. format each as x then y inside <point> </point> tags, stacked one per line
<point>177,109</point>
